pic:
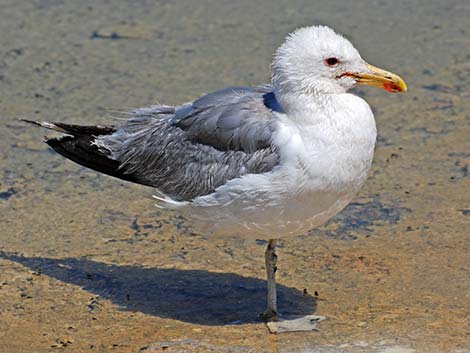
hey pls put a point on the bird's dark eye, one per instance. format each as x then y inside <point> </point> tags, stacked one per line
<point>331,61</point>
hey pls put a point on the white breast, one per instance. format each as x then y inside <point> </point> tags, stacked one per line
<point>331,146</point>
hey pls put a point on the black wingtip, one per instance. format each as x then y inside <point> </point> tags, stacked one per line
<point>46,124</point>
<point>34,122</point>
<point>56,141</point>
<point>72,129</point>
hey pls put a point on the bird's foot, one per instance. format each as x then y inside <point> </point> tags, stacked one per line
<point>269,315</point>
<point>297,324</point>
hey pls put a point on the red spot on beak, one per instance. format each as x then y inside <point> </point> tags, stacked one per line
<point>391,87</point>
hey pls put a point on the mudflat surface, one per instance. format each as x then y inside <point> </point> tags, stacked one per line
<point>88,264</point>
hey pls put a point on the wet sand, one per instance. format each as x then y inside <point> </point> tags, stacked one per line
<point>88,264</point>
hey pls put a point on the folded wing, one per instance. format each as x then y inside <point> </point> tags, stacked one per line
<point>184,152</point>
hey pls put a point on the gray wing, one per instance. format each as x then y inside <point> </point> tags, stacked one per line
<point>190,150</point>
<point>236,118</point>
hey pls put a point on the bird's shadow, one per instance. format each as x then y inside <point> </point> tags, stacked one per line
<point>195,296</point>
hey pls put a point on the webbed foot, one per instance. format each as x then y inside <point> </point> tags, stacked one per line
<point>297,324</point>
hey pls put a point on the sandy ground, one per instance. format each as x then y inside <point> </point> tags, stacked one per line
<point>88,264</point>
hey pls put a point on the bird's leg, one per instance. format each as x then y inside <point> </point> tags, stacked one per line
<point>276,324</point>
<point>270,258</point>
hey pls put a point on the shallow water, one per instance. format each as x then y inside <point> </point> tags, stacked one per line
<point>87,262</point>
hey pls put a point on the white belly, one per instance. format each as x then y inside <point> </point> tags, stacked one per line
<point>266,217</point>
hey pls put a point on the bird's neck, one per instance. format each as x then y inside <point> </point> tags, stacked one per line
<point>299,105</point>
<point>300,94</point>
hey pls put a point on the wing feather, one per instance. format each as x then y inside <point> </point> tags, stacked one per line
<point>191,150</point>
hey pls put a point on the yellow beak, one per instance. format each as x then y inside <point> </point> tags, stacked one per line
<point>380,78</point>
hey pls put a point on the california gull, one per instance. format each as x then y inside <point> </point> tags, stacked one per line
<point>270,161</point>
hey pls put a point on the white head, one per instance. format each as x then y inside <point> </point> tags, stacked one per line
<point>316,60</point>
